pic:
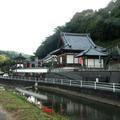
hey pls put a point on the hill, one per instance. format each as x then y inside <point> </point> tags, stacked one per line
<point>12,54</point>
<point>103,26</point>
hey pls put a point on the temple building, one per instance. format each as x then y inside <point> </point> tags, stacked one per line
<point>78,50</point>
<point>20,61</point>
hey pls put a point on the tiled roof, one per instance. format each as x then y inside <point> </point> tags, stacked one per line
<point>92,52</point>
<point>76,41</point>
<point>20,57</point>
<point>79,42</point>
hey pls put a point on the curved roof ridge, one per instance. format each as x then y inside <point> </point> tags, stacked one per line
<point>85,51</point>
<point>98,49</point>
<point>75,34</point>
<point>91,51</point>
<point>66,40</point>
<point>92,43</point>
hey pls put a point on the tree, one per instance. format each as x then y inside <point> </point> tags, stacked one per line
<point>103,25</point>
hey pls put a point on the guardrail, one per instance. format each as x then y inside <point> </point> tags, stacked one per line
<point>113,87</point>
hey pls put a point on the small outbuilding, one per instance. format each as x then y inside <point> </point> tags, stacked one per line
<point>20,61</point>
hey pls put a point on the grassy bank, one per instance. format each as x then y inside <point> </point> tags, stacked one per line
<point>20,109</point>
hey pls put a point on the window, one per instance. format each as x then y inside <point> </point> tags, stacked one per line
<point>90,62</point>
<point>61,60</point>
<point>70,59</point>
<point>76,60</point>
<point>97,63</point>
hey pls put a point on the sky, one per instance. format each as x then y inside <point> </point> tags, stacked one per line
<point>24,24</point>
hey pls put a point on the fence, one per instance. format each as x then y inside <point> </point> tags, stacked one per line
<point>113,87</point>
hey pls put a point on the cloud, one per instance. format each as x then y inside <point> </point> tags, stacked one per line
<point>24,24</point>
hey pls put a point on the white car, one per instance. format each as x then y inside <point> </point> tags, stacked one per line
<point>5,75</point>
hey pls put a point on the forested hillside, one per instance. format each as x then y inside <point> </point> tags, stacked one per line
<point>103,25</point>
<point>12,54</point>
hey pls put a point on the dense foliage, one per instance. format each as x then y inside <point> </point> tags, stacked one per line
<point>103,25</point>
<point>7,59</point>
<point>5,63</point>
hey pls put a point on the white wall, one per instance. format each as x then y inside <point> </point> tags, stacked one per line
<point>61,60</point>
<point>76,60</point>
<point>70,59</point>
<point>94,63</point>
<point>20,65</point>
<point>31,70</point>
<point>90,62</point>
<point>98,63</point>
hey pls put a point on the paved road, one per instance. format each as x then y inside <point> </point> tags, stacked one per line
<point>2,115</point>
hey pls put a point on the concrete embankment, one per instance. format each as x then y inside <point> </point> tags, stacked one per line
<point>82,96</point>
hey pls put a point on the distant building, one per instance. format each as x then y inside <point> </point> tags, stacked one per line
<point>19,61</point>
<point>32,62</point>
<point>49,60</point>
<point>77,50</point>
<point>28,67</point>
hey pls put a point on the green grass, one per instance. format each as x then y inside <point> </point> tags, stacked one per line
<point>20,109</point>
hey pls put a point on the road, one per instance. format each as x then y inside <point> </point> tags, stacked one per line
<point>3,115</point>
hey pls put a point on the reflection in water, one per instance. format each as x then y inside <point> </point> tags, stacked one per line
<point>79,110</point>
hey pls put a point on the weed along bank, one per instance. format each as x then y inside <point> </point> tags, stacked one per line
<point>18,108</point>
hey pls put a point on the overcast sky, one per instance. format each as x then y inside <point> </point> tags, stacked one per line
<point>24,24</point>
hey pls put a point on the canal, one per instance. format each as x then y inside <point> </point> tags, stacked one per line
<point>79,109</point>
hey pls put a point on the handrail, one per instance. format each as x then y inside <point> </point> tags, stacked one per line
<point>113,87</point>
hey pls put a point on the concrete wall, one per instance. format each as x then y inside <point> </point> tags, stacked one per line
<point>103,76</point>
<point>107,76</point>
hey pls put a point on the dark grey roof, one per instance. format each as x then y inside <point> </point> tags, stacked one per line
<point>54,51</point>
<point>92,52</point>
<point>77,41</point>
<point>20,57</point>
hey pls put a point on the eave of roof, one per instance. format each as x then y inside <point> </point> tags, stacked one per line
<point>91,52</point>
<point>20,57</point>
<point>59,51</point>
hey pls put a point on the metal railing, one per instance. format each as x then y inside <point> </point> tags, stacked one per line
<point>113,87</point>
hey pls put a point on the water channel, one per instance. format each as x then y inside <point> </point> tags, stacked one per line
<point>79,109</point>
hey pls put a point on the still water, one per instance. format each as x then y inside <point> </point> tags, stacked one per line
<point>79,109</point>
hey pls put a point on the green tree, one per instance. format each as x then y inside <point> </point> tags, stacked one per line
<point>103,25</point>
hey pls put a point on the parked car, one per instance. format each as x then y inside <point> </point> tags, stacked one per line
<point>5,75</point>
